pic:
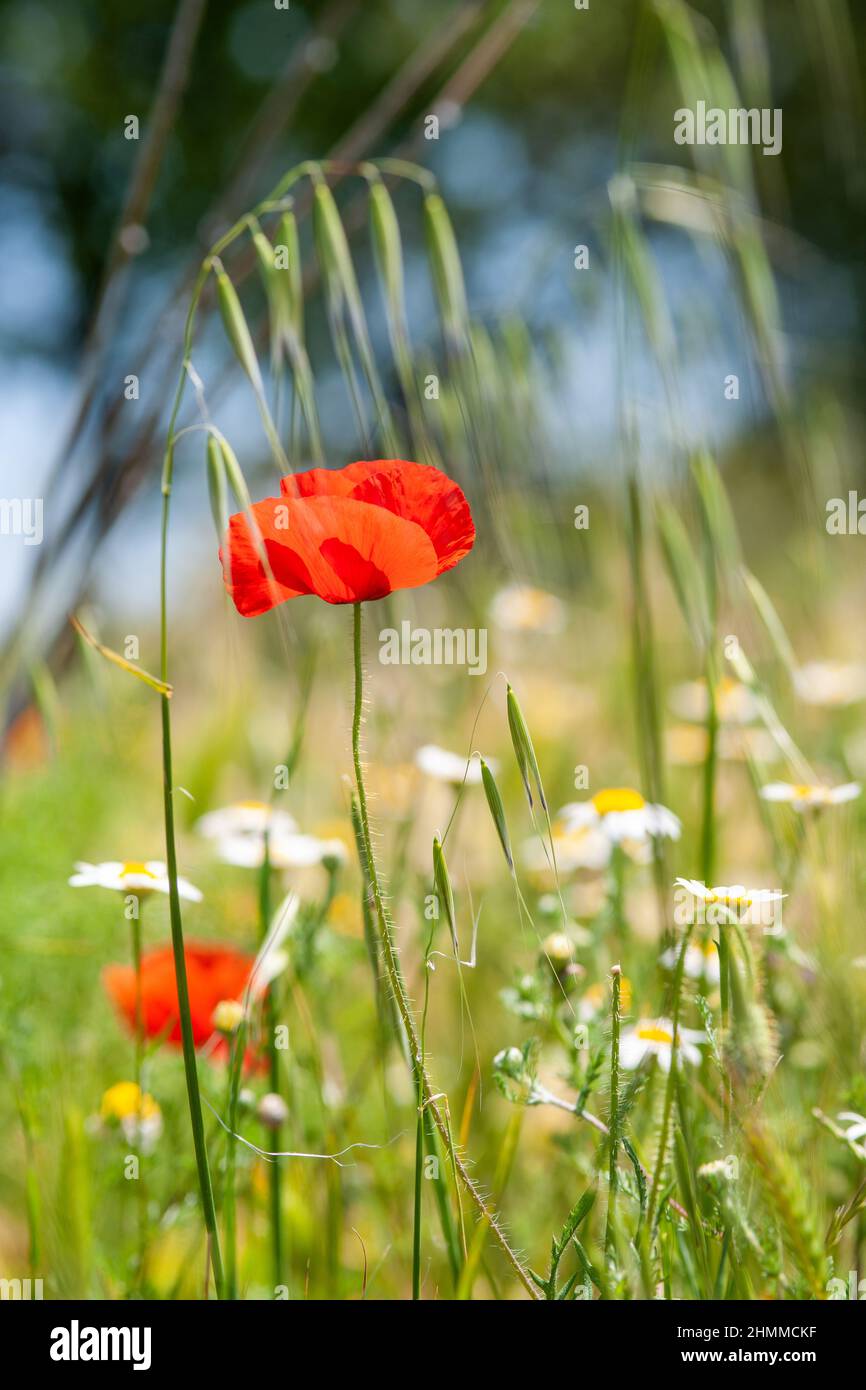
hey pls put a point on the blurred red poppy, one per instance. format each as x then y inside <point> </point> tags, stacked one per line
<point>347,535</point>
<point>213,973</point>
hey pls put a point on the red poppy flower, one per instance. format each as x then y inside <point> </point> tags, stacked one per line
<point>347,535</point>
<point>213,973</point>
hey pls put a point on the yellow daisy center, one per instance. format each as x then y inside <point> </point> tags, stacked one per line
<point>617,799</point>
<point>730,899</point>
<point>251,805</point>
<point>536,603</point>
<point>653,1034</point>
<point>136,866</point>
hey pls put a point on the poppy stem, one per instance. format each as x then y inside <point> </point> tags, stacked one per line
<point>430,1099</point>
<point>189,1057</point>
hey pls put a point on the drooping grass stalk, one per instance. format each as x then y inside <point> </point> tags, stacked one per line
<point>275,1172</point>
<point>613,1121</point>
<point>395,978</point>
<point>189,1057</point>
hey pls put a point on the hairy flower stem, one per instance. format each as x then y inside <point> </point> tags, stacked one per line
<point>189,1057</point>
<point>396,983</point>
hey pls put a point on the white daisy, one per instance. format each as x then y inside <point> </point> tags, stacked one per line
<point>443,766</point>
<point>750,906</point>
<point>701,961</point>
<point>622,814</point>
<point>802,796</point>
<point>654,1037</point>
<point>131,876</point>
<point>587,847</point>
<point>245,818</point>
<point>735,702</point>
<point>831,683</point>
<point>285,851</point>
<point>856,1125</point>
<point>523,608</point>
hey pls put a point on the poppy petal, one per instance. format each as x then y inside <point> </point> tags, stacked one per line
<point>337,482</point>
<point>416,491</point>
<point>213,973</point>
<point>343,550</point>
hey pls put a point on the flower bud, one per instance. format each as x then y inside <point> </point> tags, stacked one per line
<point>558,949</point>
<point>272,1110</point>
<point>510,1061</point>
<point>227,1016</point>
